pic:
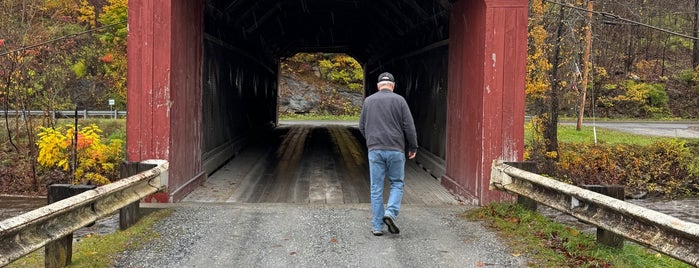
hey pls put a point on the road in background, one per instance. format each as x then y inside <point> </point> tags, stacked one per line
<point>685,129</point>
<point>665,129</point>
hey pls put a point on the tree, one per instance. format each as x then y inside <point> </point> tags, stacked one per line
<point>46,76</point>
<point>586,66</point>
<point>537,81</point>
<point>113,49</point>
<point>695,33</point>
<point>551,123</point>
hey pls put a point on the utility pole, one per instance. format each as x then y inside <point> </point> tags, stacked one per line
<point>695,33</point>
<point>586,62</point>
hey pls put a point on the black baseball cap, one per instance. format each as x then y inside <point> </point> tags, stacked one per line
<point>386,77</point>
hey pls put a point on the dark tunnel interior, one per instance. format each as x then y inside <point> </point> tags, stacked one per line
<point>244,41</point>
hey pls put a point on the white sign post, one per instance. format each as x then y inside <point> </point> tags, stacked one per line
<point>111,105</point>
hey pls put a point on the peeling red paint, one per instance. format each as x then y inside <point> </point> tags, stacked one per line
<point>165,85</point>
<point>486,93</point>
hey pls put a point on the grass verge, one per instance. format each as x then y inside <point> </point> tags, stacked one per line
<point>568,134</point>
<point>318,117</point>
<point>550,244</point>
<point>98,251</point>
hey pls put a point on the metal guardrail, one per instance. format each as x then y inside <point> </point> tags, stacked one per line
<point>658,231</point>
<point>28,232</point>
<point>65,113</point>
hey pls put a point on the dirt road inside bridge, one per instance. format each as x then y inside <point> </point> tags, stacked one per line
<point>309,163</point>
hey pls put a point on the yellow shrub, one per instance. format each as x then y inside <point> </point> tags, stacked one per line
<point>96,161</point>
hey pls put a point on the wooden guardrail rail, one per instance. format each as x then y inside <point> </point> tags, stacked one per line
<point>28,232</point>
<point>658,231</point>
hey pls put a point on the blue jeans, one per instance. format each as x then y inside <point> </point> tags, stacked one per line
<point>382,163</point>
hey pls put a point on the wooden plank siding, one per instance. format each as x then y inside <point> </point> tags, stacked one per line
<point>164,89</point>
<point>486,94</point>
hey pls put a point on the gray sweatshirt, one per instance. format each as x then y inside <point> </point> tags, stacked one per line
<point>386,122</point>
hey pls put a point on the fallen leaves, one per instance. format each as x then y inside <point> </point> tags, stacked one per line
<point>573,232</point>
<point>109,57</point>
<point>514,220</point>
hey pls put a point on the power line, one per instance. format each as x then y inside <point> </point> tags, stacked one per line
<point>619,18</point>
<point>63,38</point>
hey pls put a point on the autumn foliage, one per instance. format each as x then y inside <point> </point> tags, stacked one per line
<point>665,168</point>
<point>97,161</point>
<point>82,69</point>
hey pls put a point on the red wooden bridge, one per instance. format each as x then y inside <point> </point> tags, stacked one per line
<point>203,77</point>
<point>202,95</point>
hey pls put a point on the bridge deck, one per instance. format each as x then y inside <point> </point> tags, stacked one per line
<point>309,164</point>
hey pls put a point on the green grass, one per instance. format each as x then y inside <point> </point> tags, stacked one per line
<point>586,135</point>
<point>550,244</point>
<point>98,251</point>
<point>318,117</point>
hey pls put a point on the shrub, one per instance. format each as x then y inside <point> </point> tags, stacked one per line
<point>666,167</point>
<point>344,70</point>
<point>97,162</point>
<point>636,99</point>
<point>686,77</point>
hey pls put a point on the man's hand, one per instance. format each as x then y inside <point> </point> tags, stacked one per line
<point>411,155</point>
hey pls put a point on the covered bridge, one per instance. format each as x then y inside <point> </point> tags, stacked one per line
<point>203,76</point>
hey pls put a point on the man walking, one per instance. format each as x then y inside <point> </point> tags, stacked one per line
<point>386,123</point>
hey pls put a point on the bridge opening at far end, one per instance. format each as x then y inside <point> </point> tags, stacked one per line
<point>320,87</point>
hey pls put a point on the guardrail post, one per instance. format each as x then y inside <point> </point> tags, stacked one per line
<point>128,215</point>
<point>603,236</point>
<point>529,166</point>
<point>59,252</point>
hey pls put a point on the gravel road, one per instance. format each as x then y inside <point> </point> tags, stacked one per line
<point>288,235</point>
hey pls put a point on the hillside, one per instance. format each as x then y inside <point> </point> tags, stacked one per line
<point>320,84</point>
<point>299,94</point>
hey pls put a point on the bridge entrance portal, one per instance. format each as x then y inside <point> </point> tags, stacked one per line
<point>203,77</point>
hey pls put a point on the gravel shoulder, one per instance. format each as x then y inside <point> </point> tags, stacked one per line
<point>289,235</point>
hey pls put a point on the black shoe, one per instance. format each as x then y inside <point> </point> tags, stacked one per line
<point>377,232</point>
<point>391,223</point>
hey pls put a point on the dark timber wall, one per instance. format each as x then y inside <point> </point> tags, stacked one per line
<point>240,96</point>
